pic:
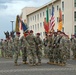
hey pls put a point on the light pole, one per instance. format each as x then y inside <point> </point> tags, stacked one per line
<point>12,24</point>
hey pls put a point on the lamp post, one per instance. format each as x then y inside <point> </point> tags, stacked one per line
<point>12,24</point>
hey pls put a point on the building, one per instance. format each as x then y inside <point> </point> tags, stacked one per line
<point>35,18</point>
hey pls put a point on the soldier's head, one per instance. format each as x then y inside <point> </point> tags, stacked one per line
<point>18,34</point>
<point>38,34</point>
<point>58,32</point>
<point>62,34</point>
<point>55,33</point>
<point>31,31</point>
<point>26,33</point>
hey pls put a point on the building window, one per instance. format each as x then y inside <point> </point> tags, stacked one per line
<point>43,14</point>
<point>63,18</point>
<point>75,3</point>
<point>75,16</point>
<point>40,15</point>
<point>49,12</point>
<point>33,17</point>
<point>75,29</point>
<point>37,16</point>
<point>62,29</point>
<point>35,27</point>
<point>43,33</point>
<point>57,7</point>
<point>57,19</point>
<point>63,5</point>
<point>40,24</point>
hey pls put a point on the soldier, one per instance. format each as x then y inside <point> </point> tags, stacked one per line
<point>45,42</point>
<point>62,50</point>
<point>73,46</point>
<point>16,45</point>
<point>6,48</point>
<point>32,50</point>
<point>49,48</point>
<point>2,48</point>
<point>24,47</point>
<point>38,43</point>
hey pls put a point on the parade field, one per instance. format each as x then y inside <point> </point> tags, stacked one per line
<point>7,68</point>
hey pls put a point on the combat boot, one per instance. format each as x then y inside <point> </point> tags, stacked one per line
<point>25,62</point>
<point>39,63</point>
<point>16,64</point>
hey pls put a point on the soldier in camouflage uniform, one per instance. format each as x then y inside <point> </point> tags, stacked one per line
<point>73,46</point>
<point>2,48</point>
<point>6,48</point>
<point>24,48</point>
<point>68,46</point>
<point>45,42</point>
<point>10,47</point>
<point>32,49</point>
<point>38,43</point>
<point>16,45</point>
<point>62,50</point>
<point>50,48</point>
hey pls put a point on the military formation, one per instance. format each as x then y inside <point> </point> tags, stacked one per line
<point>56,47</point>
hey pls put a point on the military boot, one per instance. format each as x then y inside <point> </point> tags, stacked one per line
<point>16,64</point>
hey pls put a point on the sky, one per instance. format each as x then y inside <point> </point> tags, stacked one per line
<point>10,8</point>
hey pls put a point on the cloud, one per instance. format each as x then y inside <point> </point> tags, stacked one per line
<point>10,8</point>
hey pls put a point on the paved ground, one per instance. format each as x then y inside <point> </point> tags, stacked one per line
<point>7,68</point>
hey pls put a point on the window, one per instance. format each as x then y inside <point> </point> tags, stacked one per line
<point>37,16</point>
<point>43,14</point>
<point>75,16</point>
<point>40,15</point>
<point>35,27</point>
<point>63,5</point>
<point>57,19</point>
<point>75,3</point>
<point>40,25</point>
<point>43,33</point>
<point>49,12</point>
<point>33,17</point>
<point>63,18</point>
<point>57,7</point>
<point>75,29</point>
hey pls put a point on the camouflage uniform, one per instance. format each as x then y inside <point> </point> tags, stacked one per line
<point>6,48</point>
<point>45,42</point>
<point>50,49</point>
<point>10,53</point>
<point>31,50</point>
<point>24,47</point>
<point>62,58</point>
<point>16,45</point>
<point>2,48</point>
<point>38,43</point>
<point>73,47</point>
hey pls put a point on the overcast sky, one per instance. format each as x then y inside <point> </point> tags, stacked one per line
<point>10,8</point>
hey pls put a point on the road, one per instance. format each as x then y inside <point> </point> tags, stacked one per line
<point>7,68</point>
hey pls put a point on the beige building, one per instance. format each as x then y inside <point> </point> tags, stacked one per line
<point>35,16</point>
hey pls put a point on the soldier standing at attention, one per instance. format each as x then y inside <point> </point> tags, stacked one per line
<point>24,47</point>
<point>16,48</point>
<point>2,48</point>
<point>32,49</point>
<point>38,48</point>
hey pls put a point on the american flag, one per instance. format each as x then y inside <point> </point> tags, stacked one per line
<point>52,21</point>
